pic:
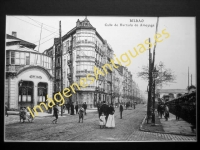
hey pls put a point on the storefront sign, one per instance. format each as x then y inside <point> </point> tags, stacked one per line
<point>37,77</point>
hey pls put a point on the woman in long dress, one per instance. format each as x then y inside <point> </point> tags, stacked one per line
<point>111,118</point>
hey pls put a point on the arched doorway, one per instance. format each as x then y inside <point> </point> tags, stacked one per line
<point>25,95</point>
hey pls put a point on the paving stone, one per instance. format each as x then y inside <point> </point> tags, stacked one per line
<point>68,129</point>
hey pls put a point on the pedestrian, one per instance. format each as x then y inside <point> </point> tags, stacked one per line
<point>104,109</point>
<point>134,105</point>
<point>85,107</point>
<point>111,118</point>
<point>166,112</point>
<point>68,108</point>
<point>102,120</point>
<point>158,110</point>
<point>177,111</point>
<point>22,115</point>
<point>6,110</point>
<point>76,108</point>
<point>72,108</point>
<point>162,110</point>
<point>121,110</point>
<point>55,112</point>
<point>192,114</point>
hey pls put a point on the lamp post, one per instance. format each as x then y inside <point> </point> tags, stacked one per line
<point>20,85</point>
<point>155,75</point>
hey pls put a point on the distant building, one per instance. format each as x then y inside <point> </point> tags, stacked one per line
<point>170,94</point>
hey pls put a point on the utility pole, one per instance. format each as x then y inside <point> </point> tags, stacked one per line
<point>61,69</point>
<point>71,66</point>
<point>188,80</point>
<point>152,68</point>
<point>150,85</point>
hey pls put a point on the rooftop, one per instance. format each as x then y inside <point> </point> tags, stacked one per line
<point>10,38</point>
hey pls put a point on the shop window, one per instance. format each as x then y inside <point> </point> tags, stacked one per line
<point>42,92</point>
<point>26,92</point>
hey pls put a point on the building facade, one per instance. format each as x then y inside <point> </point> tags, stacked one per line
<point>82,49</point>
<point>28,74</point>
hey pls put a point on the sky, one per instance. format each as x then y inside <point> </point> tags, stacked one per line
<point>177,52</point>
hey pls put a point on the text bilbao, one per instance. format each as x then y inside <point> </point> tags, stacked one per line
<point>88,80</point>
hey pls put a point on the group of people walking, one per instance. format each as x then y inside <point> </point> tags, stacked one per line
<point>163,110</point>
<point>70,108</point>
<point>106,115</point>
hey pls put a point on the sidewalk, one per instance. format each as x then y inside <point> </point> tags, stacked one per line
<point>172,126</point>
<point>13,116</point>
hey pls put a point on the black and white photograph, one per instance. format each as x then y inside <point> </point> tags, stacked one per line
<point>100,79</point>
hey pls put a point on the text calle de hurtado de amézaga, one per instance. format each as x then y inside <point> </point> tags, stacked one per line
<point>133,23</point>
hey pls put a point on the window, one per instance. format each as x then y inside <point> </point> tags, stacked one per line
<point>17,58</point>
<point>64,63</point>
<point>7,58</point>
<point>26,92</point>
<point>42,92</point>
<point>67,45</point>
<point>32,59</point>
<point>27,59</point>
<point>38,59</point>
<point>58,62</point>
<point>64,47</point>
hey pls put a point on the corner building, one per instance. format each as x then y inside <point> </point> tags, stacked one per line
<point>28,74</point>
<point>82,49</point>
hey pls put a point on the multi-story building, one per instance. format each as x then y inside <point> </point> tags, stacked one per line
<point>82,49</point>
<point>29,76</point>
<point>117,82</point>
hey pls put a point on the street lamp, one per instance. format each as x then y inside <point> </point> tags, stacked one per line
<point>155,75</point>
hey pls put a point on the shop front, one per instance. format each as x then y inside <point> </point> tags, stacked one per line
<point>29,87</point>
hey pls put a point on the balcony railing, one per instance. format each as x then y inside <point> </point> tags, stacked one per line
<point>85,58</point>
<point>84,72</point>
<point>79,43</point>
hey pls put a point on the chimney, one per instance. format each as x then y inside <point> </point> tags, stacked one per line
<point>14,34</point>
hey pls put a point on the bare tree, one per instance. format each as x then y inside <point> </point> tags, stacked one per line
<point>165,75</point>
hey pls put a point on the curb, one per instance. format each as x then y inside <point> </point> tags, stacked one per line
<point>141,129</point>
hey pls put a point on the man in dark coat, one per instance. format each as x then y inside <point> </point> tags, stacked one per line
<point>56,112</point>
<point>177,111</point>
<point>68,107</point>
<point>76,108</point>
<point>72,109</point>
<point>134,105</point>
<point>85,107</point>
<point>121,110</point>
<point>104,109</point>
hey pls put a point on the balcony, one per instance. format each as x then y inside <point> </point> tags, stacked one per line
<point>85,43</point>
<point>85,58</point>
<point>88,88</point>
<point>84,73</point>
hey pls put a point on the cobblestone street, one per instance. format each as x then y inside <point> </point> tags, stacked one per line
<point>68,129</point>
